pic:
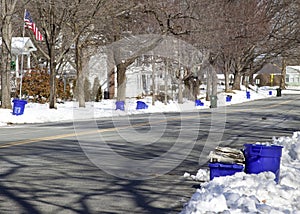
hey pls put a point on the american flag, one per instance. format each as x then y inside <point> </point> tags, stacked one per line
<point>31,25</point>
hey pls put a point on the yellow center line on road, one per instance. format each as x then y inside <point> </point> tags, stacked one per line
<point>275,105</point>
<point>55,137</point>
<point>265,107</point>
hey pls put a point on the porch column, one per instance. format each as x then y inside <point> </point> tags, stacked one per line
<point>28,61</point>
<point>17,66</point>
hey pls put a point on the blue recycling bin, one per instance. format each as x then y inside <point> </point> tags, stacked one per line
<point>228,98</point>
<point>248,94</point>
<point>262,158</point>
<point>18,106</point>
<point>141,105</point>
<point>199,103</point>
<point>120,105</point>
<point>224,169</point>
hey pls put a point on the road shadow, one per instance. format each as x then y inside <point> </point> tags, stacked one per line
<point>57,177</point>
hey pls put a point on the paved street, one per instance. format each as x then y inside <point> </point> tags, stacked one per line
<point>129,164</point>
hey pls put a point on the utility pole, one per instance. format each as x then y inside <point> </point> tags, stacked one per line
<point>180,88</point>
<point>166,82</point>
<point>153,80</point>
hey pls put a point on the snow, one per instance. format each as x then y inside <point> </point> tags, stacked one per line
<point>239,193</point>
<point>40,113</point>
<point>252,193</point>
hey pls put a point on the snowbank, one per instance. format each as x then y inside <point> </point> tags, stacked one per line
<point>40,113</point>
<point>245,193</point>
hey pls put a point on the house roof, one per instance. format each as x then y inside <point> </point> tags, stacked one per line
<point>294,67</point>
<point>269,69</point>
<point>21,45</point>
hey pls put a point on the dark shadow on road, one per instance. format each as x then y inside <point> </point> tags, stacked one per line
<point>51,177</point>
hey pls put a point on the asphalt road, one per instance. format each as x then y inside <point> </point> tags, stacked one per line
<point>129,164</point>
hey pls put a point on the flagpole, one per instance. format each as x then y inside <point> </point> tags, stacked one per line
<point>22,57</point>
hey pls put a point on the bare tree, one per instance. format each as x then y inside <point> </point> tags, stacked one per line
<point>7,11</point>
<point>125,51</point>
<point>172,18</point>
<point>64,24</point>
<point>239,36</point>
<point>244,35</point>
<point>83,33</point>
<point>51,17</point>
<point>276,21</point>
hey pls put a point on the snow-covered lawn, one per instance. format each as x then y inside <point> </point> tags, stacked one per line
<point>40,113</point>
<point>240,193</point>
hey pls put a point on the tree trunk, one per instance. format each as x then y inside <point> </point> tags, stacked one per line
<point>121,78</point>
<point>52,82</point>
<point>5,76</point>
<point>227,87</point>
<point>208,83</point>
<point>196,84</point>
<point>121,81</point>
<point>188,91</point>
<point>6,57</point>
<point>111,85</point>
<point>226,75</point>
<point>80,78</point>
<point>251,78</point>
<point>52,99</point>
<point>5,81</point>
<point>80,89</point>
<point>244,79</point>
<point>283,75</point>
<point>237,81</point>
<point>214,78</point>
<point>51,46</point>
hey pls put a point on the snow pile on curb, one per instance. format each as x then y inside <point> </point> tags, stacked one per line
<point>245,193</point>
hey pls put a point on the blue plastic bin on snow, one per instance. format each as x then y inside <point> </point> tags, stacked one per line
<point>120,105</point>
<point>228,98</point>
<point>224,169</point>
<point>261,158</point>
<point>141,105</point>
<point>248,94</point>
<point>199,103</point>
<point>18,106</point>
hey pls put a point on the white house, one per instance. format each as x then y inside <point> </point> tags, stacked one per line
<point>138,76</point>
<point>98,68</point>
<point>138,80</point>
<point>21,46</point>
<point>292,77</point>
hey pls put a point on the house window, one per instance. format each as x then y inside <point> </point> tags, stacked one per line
<point>287,79</point>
